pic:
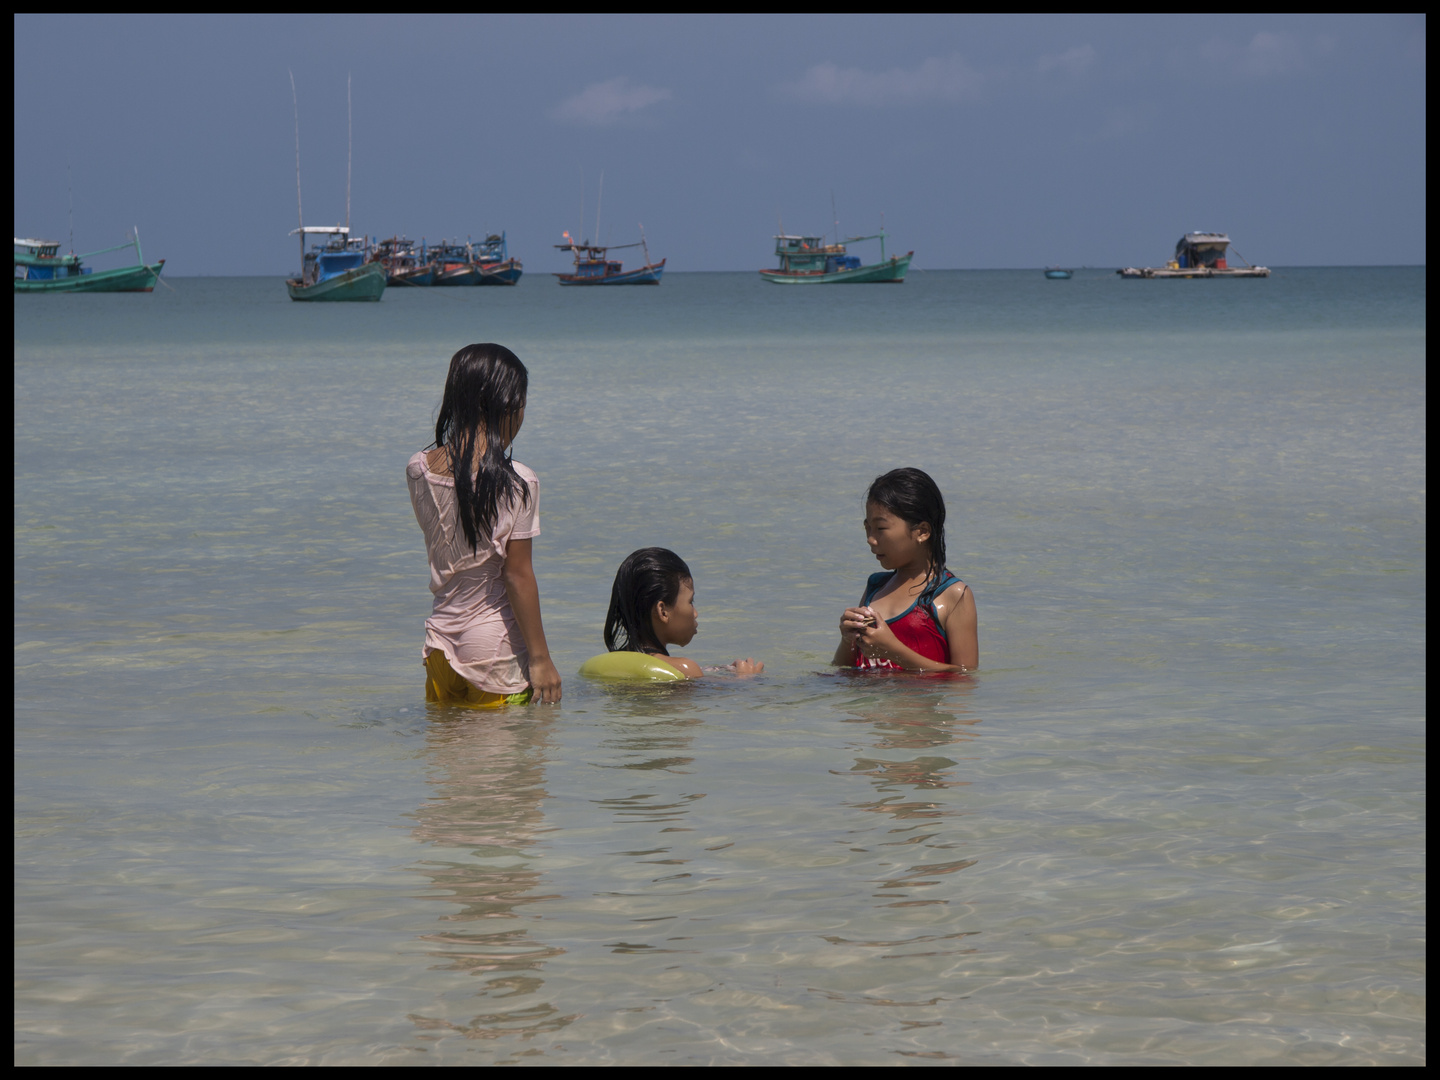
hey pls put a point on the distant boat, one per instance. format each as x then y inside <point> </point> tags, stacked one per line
<point>39,267</point>
<point>809,260</point>
<point>594,267</point>
<point>1054,273</point>
<point>402,265</point>
<point>1198,255</point>
<point>492,256</point>
<point>336,269</point>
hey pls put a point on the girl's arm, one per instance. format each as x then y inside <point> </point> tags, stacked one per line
<point>851,623</point>
<point>961,628</point>
<point>524,595</point>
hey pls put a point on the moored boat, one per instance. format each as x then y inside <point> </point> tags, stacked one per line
<point>492,256</point>
<point>1054,273</point>
<point>593,266</point>
<point>1198,255</point>
<point>403,266</point>
<point>809,260</point>
<point>39,267</point>
<point>336,269</point>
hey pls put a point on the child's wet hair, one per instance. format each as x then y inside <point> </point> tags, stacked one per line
<point>915,499</point>
<point>486,387</point>
<point>647,577</point>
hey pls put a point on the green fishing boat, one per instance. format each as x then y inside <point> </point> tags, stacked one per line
<point>336,269</point>
<point>39,267</point>
<point>809,260</point>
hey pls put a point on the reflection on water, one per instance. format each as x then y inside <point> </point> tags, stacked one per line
<point>484,813</point>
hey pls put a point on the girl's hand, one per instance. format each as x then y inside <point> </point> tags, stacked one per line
<point>545,680</point>
<point>747,667</point>
<point>875,638</point>
<point>854,622</point>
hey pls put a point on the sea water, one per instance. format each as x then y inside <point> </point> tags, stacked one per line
<point>1177,816</point>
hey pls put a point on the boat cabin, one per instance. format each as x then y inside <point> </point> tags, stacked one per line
<point>332,258</point>
<point>1196,250</point>
<point>811,254</point>
<point>591,261</point>
<point>40,260</point>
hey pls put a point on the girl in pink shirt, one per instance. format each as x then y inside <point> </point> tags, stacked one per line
<point>484,641</point>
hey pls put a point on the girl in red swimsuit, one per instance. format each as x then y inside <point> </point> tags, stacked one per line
<point>915,615</point>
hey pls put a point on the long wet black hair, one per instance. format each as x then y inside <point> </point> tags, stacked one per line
<point>485,388</point>
<point>647,577</point>
<point>915,499</point>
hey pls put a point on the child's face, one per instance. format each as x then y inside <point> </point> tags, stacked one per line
<point>677,624</point>
<point>894,541</point>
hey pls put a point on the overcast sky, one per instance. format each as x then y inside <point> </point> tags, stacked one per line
<point>985,141</point>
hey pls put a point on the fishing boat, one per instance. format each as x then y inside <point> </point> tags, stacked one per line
<point>492,256</point>
<point>336,269</point>
<point>39,267</point>
<point>403,265</point>
<point>809,260</point>
<point>1054,273</point>
<point>452,263</point>
<point>593,266</point>
<point>1199,255</point>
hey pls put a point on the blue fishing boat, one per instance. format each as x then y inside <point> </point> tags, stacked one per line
<point>1054,273</point>
<point>336,269</point>
<point>593,266</point>
<point>403,264</point>
<point>492,256</point>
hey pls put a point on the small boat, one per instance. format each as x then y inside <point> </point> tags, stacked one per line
<point>336,269</point>
<point>403,266</point>
<point>1054,273</point>
<point>594,267</point>
<point>1198,255</point>
<point>39,267</point>
<point>451,261</point>
<point>809,260</point>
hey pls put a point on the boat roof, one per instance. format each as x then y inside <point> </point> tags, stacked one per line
<point>36,243</point>
<point>1205,238</point>
<point>341,230</point>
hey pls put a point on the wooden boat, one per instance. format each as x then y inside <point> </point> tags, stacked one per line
<point>403,266</point>
<point>1198,255</point>
<point>809,260</point>
<point>336,269</point>
<point>492,256</point>
<point>1054,273</point>
<point>452,262</point>
<point>39,267</point>
<point>593,266</point>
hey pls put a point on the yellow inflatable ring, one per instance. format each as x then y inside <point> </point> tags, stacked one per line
<point>630,667</point>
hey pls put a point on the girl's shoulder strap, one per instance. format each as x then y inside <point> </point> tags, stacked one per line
<point>874,584</point>
<point>946,580</point>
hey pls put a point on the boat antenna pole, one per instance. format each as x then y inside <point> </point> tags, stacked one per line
<point>349,152</point>
<point>599,200</point>
<point>835,215</point>
<point>299,206</point>
<point>70,190</point>
<point>643,244</point>
<point>581,232</point>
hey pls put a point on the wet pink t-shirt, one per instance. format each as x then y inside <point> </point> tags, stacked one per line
<point>471,622</point>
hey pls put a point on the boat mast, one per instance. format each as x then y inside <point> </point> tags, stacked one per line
<point>299,206</point>
<point>349,152</point>
<point>599,199</point>
<point>70,190</point>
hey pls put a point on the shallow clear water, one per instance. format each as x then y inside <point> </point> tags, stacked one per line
<point>1177,817</point>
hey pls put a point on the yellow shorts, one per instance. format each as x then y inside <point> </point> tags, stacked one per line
<point>442,685</point>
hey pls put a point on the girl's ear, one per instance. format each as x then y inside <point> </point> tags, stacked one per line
<point>661,612</point>
<point>922,531</point>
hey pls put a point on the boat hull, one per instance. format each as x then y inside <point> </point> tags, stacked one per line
<point>1193,272</point>
<point>892,269</point>
<point>502,273</point>
<point>126,279</point>
<point>423,275</point>
<point>365,282</point>
<point>1059,275</point>
<point>645,275</point>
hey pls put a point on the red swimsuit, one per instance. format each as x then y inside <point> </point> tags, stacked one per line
<point>918,628</point>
